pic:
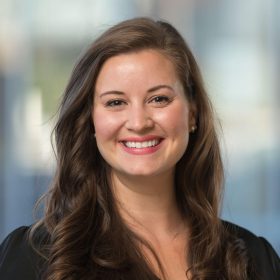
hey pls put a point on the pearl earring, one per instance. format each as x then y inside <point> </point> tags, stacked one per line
<point>193,128</point>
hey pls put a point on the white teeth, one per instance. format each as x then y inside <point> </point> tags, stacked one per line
<point>141,145</point>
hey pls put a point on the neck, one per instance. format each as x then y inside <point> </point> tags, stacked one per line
<point>148,202</point>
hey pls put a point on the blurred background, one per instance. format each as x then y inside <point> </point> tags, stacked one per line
<point>237,44</point>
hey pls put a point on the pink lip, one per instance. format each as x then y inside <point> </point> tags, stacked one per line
<point>142,151</point>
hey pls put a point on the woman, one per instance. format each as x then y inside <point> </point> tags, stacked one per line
<point>139,174</point>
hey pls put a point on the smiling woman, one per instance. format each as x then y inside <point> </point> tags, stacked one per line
<point>139,174</point>
<point>141,115</point>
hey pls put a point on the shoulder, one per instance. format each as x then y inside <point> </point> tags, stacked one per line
<point>264,256</point>
<point>18,260</point>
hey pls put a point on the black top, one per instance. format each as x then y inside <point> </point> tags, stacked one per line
<point>18,261</point>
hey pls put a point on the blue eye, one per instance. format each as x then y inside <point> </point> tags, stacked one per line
<point>114,103</point>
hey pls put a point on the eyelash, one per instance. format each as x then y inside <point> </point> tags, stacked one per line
<point>114,103</point>
<point>160,100</point>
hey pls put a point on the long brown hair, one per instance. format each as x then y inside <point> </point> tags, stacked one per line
<point>87,238</point>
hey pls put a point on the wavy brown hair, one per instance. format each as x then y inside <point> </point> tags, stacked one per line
<point>86,236</point>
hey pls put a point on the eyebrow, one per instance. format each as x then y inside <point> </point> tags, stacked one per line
<point>117,92</point>
<point>160,87</point>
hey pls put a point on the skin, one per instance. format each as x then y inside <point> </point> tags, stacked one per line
<point>139,100</point>
<point>139,95</point>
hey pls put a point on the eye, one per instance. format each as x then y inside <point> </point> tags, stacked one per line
<point>114,103</point>
<point>161,100</point>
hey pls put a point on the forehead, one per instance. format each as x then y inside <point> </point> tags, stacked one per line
<point>147,65</point>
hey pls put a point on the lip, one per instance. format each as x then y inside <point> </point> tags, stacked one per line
<point>141,139</point>
<point>143,150</point>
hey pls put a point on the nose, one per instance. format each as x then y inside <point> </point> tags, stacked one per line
<point>139,119</point>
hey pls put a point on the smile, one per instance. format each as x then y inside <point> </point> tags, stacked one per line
<point>141,145</point>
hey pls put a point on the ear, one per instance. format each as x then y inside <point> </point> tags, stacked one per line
<point>192,115</point>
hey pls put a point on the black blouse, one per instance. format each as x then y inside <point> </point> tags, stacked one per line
<point>18,261</point>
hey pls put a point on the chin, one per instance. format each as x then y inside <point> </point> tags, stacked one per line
<point>138,173</point>
<point>145,172</point>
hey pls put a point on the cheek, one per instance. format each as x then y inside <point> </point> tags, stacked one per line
<point>175,120</point>
<point>105,125</point>
<point>100,124</point>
